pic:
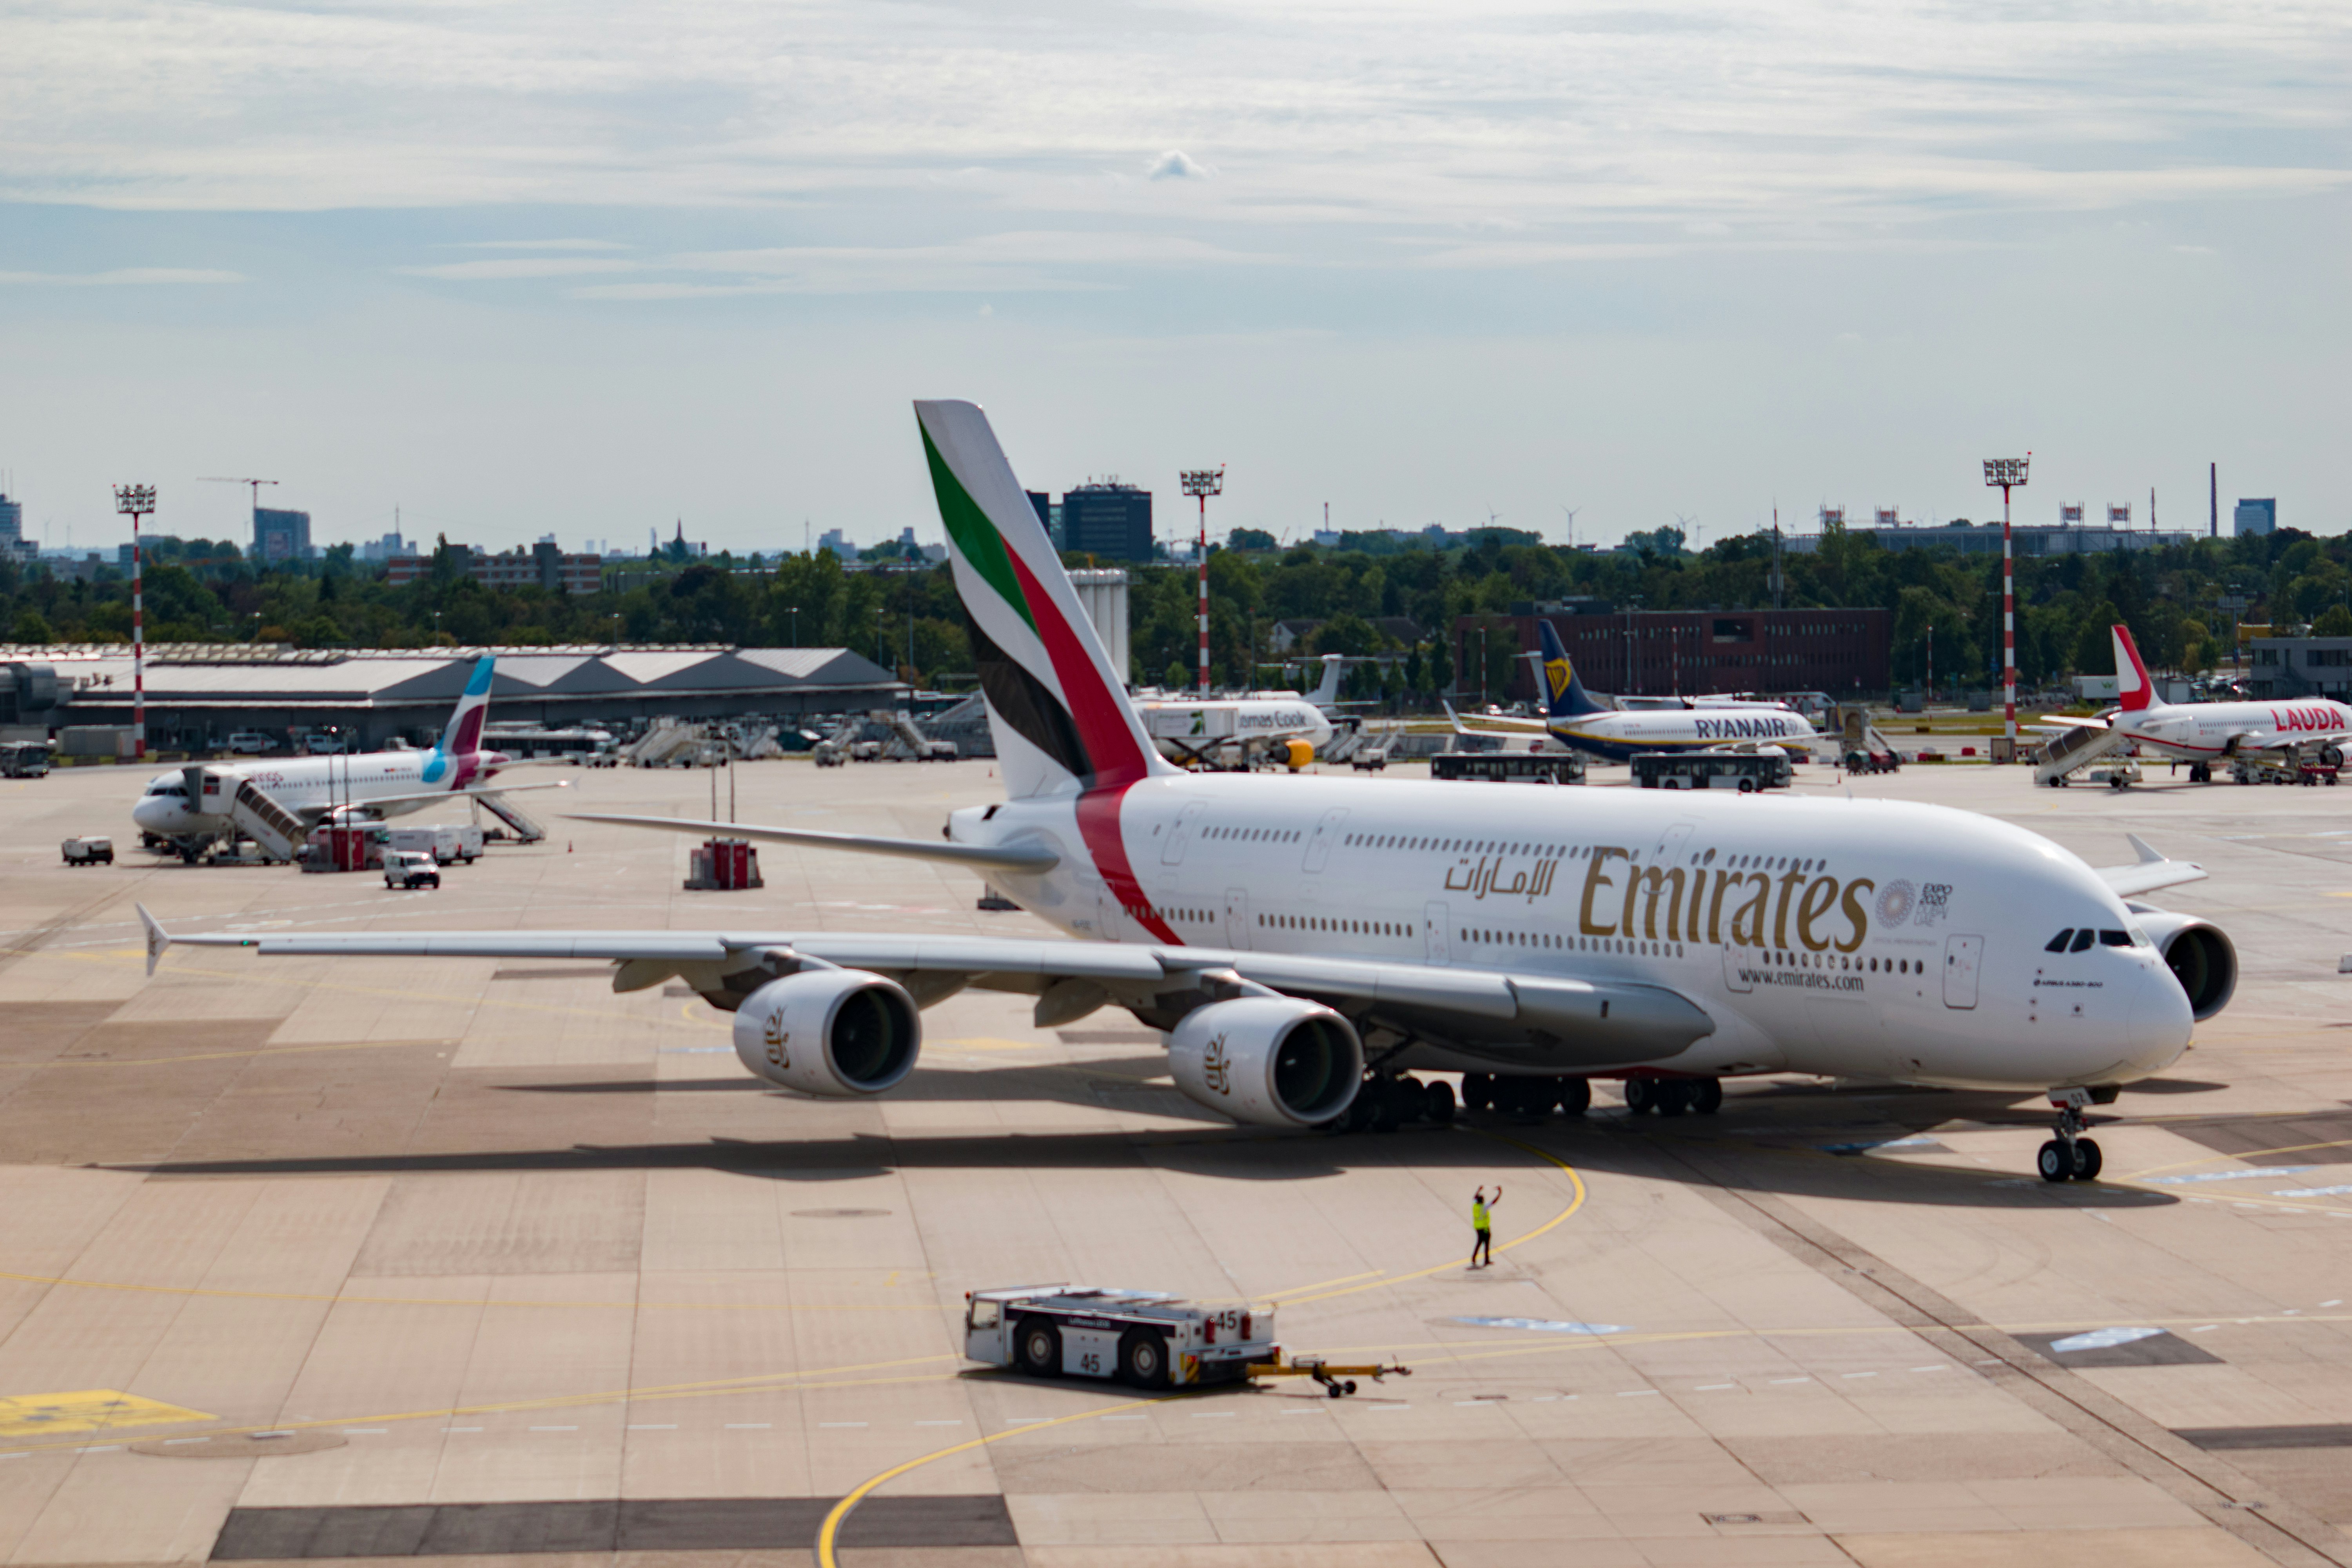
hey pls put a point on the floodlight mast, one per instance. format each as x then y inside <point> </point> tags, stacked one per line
<point>2007,472</point>
<point>136,501</point>
<point>1204,483</point>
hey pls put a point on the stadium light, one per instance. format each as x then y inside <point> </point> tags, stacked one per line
<point>2008,473</point>
<point>136,501</point>
<point>1204,483</point>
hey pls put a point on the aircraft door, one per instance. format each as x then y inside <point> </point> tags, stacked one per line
<point>1326,833</point>
<point>1962,955</point>
<point>1237,921</point>
<point>1181,834</point>
<point>1433,933</point>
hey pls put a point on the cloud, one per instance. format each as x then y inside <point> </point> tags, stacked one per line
<point>522,267</point>
<point>541,245</point>
<point>1175,165</point>
<point>122,275</point>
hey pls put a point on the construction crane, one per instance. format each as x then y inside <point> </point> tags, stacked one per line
<point>255,484</point>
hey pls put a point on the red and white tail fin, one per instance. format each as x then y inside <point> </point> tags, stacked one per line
<point>2134,690</point>
<point>1061,720</point>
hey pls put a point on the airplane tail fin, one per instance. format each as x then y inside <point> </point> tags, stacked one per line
<point>464,734</point>
<point>2134,690</point>
<point>1059,715</point>
<point>1327,690</point>
<point>1564,694</point>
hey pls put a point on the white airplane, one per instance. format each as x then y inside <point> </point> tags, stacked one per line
<point>191,807</point>
<point>2314,728</point>
<point>1307,942</point>
<point>1285,725</point>
<point>1574,720</point>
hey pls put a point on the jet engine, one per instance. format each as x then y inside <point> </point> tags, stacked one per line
<point>835,1033</point>
<point>1296,754</point>
<point>1269,1061</point>
<point>2203,959</point>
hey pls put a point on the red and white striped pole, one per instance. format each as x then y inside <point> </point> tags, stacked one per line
<point>136,501</point>
<point>2007,472</point>
<point>1204,483</point>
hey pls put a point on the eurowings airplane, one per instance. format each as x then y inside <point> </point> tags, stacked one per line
<point>1308,943</point>
<point>1283,724</point>
<point>2317,729</point>
<point>373,784</point>
<point>1574,720</point>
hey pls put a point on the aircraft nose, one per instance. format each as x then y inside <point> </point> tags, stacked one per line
<point>2161,1021</point>
<point>148,813</point>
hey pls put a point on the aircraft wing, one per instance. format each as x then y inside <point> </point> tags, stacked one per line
<point>1488,723</point>
<point>320,813</point>
<point>2061,726</point>
<point>2150,872</point>
<point>986,858</point>
<point>2236,745</point>
<point>1572,1022</point>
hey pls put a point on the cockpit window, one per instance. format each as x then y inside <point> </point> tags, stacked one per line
<point>2115,939</point>
<point>2058,944</point>
<point>2083,938</point>
<point>178,789</point>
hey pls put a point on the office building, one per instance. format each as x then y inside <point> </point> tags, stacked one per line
<point>543,565</point>
<point>2256,516</point>
<point>280,535</point>
<point>1108,520</point>
<point>1653,653</point>
<point>832,538</point>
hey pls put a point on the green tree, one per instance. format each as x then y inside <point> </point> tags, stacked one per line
<point>2335,621</point>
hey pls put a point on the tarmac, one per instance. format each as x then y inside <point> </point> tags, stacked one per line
<point>341,1259</point>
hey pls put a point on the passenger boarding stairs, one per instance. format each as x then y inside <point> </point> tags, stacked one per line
<point>908,741</point>
<point>658,746</point>
<point>521,824</point>
<point>2076,748</point>
<point>277,831</point>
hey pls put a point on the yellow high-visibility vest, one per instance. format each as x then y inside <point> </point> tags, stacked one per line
<point>1478,1214</point>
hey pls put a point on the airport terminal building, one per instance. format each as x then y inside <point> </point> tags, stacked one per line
<point>199,694</point>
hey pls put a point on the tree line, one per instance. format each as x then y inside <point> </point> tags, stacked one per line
<point>2183,602</point>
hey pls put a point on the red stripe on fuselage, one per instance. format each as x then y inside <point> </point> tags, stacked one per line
<point>1111,748</point>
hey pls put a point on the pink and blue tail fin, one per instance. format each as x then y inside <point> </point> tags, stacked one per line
<point>464,735</point>
<point>1059,714</point>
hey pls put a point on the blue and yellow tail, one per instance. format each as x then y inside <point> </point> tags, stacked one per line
<point>1564,694</point>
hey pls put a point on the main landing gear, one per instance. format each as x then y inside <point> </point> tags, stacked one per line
<point>2070,1156</point>
<point>1515,1096</point>
<point>1672,1096</point>
<point>1390,1101</point>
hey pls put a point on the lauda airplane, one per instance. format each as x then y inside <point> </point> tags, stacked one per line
<point>374,783</point>
<point>2302,729</point>
<point>1576,721</point>
<point>1307,942</point>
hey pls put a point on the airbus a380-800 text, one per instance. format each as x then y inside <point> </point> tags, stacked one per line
<point>1307,943</point>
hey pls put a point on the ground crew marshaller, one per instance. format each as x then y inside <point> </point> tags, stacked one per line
<point>1482,1223</point>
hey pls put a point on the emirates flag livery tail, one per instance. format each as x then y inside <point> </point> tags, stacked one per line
<point>2134,690</point>
<point>1061,720</point>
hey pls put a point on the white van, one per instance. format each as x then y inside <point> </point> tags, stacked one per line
<point>251,744</point>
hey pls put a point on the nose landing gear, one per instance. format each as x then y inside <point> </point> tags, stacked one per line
<point>2070,1156</point>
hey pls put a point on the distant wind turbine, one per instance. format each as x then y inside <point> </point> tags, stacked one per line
<point>1571,512</point>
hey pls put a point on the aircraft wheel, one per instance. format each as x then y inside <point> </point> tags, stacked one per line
<point>1478,1090</point>
<point>1575,1096</point>
<point>1437,1102</point>
<point>1039,1349</point>
<point>2055,1162</point>
<point>2088,1161</point>
<point>1641,1095</point>
<point>1673,1098</point>
<point>1707,1097</point>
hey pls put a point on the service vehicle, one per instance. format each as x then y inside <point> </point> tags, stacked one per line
<point>251,744</point>
<point>1370,760</point>
<point>448,842</point>
<point>24,760</point>
<point>1141,1338</point>
<point>88,852</point>
<point>1510,767</point>
<point>410,868</point>
<point>1747,771</point>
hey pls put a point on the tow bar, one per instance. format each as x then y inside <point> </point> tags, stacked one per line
<point>1337,1381</point>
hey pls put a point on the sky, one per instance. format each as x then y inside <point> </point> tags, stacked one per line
<point>516,267</point>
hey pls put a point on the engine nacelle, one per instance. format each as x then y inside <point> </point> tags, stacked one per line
<point>836,1032</point>
<point>1296,754</point>
<point>1267,1061</point>
<point>2201,957</point>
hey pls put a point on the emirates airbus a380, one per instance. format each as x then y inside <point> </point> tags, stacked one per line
<point>1307,942</point>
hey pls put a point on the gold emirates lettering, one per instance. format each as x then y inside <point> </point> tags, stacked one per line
<point>1680,904</point>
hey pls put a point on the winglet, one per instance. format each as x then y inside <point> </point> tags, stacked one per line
<point>2149,855</point>
<point>158,939</point>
